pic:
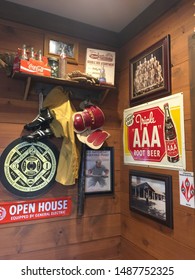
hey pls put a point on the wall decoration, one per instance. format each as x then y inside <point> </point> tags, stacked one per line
<point>101,65</point>
<point>53,45</point>
<point>151,196</point>
<point>99,171</point>
<point>28,210</point>
<point>187,189</point>
<point>150,73</point>
<point>153,133</point>
<point>28,169</point>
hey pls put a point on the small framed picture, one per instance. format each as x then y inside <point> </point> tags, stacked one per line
<point>99,171</point>
<point>53,46</point>
<point>150,73</point>
<point>150,195</point>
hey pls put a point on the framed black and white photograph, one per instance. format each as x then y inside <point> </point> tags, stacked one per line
<point>53,46</point>
<point>99,171</point>
<point>151,196</point>
<point>150,73</point>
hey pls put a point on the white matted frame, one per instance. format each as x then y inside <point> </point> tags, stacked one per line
<point>99,164</point>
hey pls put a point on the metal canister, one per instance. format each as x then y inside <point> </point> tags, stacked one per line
<point>54,64</point>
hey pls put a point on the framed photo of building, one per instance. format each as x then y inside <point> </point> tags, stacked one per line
<point>150,73</point>
<point>99,171</point>
<point>150,195</point>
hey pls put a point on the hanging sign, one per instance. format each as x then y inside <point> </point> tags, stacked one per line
<point>20,211</point>
<point>101,65</point>
<point>186,189</point>
<point>28,169</point>
<point>153,133</point>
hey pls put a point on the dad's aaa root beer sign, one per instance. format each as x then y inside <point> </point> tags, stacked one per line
<point>153,133</point>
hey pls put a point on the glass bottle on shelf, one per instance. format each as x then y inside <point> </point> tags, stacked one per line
<point>32,53</point>
<point>62,64</point>
<point>24,53</point>
<point>102,77</point>
<point>40,55</point>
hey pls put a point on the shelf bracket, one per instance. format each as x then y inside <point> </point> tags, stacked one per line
<point>27,88</point>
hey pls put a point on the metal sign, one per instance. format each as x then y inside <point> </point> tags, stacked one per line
<point>20,211</point>
<point>28,169</point>
<point>148,140</point>
<point>153,133</point>
<point>187,189</point>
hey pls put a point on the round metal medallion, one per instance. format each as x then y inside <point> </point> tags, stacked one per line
<point>28,169</point>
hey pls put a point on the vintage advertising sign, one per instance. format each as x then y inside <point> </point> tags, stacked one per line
<point>32,66</point>
<point>153,133</point>
<point>20,211</point>
<point>101,65</point>
<point>186,189</point>
<point>28,169</point>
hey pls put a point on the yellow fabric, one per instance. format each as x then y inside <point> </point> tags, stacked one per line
<point>57,101</point>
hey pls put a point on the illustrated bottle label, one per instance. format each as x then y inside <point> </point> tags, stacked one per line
<point>172,150</point>
<point>170,137</point>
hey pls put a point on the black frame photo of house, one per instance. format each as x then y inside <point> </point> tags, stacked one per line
<point>150,195</point>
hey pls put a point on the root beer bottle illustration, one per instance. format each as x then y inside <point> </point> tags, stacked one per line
<point>170,137</point>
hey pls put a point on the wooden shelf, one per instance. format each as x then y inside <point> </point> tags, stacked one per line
<point>79,90</point>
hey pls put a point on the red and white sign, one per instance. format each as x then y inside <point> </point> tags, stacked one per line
<point>148,133</point>
<point>20,211</point>
<point>187,189</point>
<point>32,66</point>
<point>101,62</point>
<point>147,130</point>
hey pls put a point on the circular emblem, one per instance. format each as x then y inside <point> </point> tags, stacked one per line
<point>2,213</point>
<point>28,169</point>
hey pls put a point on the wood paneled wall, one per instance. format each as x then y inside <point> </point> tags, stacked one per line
<point>97,234</point>
<point>143,238</point>
<point>108,230</point>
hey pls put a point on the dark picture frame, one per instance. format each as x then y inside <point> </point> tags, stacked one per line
<point>150,73</point>
<point>99,171</point>
<point>53,45</point>
<point>150,195</point>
